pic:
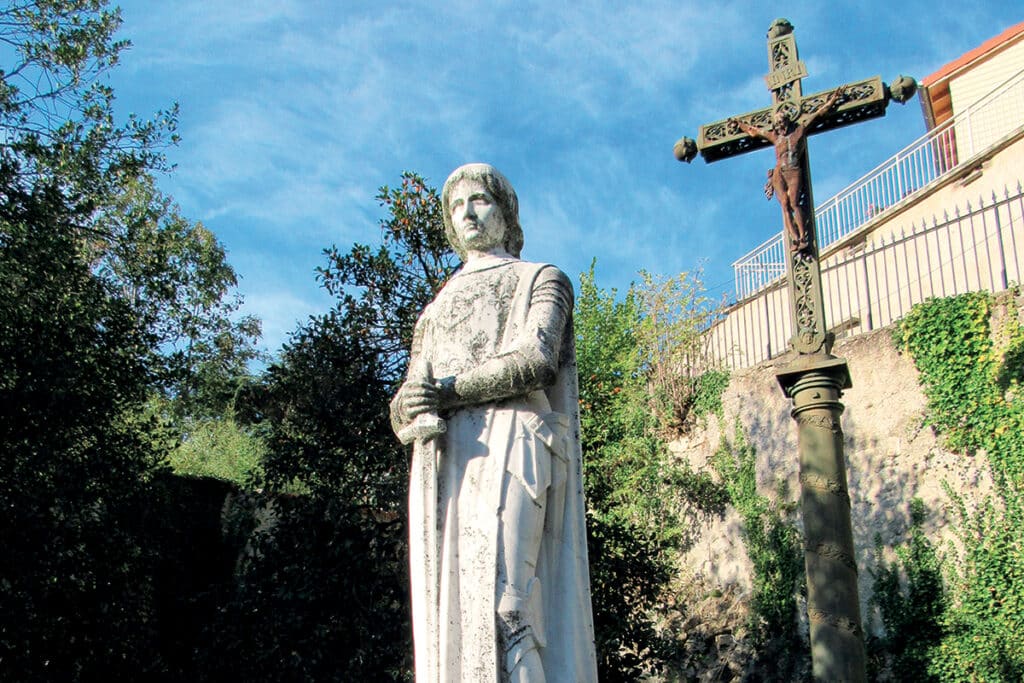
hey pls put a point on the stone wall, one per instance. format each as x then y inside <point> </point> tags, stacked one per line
<point>891,458</point>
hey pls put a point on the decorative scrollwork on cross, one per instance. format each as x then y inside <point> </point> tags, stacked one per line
<point>808,327</point>
<point>789,109</point>
<point>780,55</point>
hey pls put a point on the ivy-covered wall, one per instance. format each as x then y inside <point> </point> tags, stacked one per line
<point>935,455</point>
<point>893,456</point>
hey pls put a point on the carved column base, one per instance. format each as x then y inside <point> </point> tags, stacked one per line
<point>815,384</point>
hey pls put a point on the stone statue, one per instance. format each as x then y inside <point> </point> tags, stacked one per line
<point>789,137</point>
<point>500,584</point>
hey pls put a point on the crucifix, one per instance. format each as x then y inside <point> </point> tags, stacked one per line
<point>815,380</point>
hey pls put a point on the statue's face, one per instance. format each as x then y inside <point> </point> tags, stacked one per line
<point>476,217</point>
<point>780,121</point>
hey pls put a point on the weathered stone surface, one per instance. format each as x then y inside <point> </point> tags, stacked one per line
<point>891,458</point>
<point>500,586</point>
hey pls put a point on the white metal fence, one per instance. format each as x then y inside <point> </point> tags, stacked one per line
<point>924,161</point>
<point>977,247</point>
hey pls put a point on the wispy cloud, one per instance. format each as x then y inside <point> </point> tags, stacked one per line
<point>294,112</point>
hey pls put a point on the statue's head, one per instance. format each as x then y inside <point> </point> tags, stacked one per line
<point>782,119</point>
<point>498,187</point>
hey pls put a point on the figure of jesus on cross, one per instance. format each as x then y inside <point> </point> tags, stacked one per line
<point>789,137</point>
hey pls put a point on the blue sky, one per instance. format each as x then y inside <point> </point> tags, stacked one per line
<point>294,113</point>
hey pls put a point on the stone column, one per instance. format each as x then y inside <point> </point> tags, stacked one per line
<point>815,385</point>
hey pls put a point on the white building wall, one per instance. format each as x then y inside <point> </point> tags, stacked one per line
<point>973,84</point>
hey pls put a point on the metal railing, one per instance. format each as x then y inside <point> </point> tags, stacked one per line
<point>979,246</point>
<point>930,157</point>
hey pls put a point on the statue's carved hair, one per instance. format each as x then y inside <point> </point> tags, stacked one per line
<point>501,189</point>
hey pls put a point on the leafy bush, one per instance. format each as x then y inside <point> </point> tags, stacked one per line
<point>775,549</point>
<point>910,595</point>
<point>321,596</point>
<point>673,347</point>
<point>641,500</point>
<point>219,448</point>
<point>950,344</point>
<point>982,625</point>
<point>323,591</point>
<point>76,460</point>
<point>972,388</point>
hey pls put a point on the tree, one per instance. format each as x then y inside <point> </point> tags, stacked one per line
<point>673,344</point>
<point>324,403</point>
<point>323,408</point>
<point>641,501</point>
<point>60,133</point>
<point>56,112</point>
<point>106,296</point>
<point>175,273</point>
<point>332,569</point>
<point>381,293</point>
<point>76,461</point>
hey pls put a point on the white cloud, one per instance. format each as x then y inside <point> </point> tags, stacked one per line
<point>294,112</point>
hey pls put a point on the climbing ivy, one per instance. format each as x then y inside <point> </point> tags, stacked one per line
<point>708,393</point>
<point>775,550</point>
<point>950,344</point>
<point>971,376</point>
<point>911,598</point>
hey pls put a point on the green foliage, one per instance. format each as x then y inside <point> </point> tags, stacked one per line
<point>629,572</point>
<point>218,448</point>
<point>382,292</point>
<point>323,406</point>
<point>59,133</point>
<point>56,113</point>
<point>640,499</point>
<point>708,390</point>
<point>623,460</point>
<point>176,275</point>
<point>627,466</point>
<point>982,626</point>
<point>322,410</point>
<point>910,595</point>
<point>950,344</point>
<point>971,377</point>
<point>673,347</point>
<point>76,459</point>
<point>321,597</point>
<point>775,549</point>
<point>107,296</point>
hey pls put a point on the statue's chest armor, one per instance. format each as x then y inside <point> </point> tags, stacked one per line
<point>468,319</point>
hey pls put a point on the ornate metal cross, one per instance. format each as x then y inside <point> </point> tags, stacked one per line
<point>816,379</point>
<point>785,125</point>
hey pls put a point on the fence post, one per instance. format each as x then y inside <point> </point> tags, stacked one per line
<point>867,291</point>
<point>999,241</point>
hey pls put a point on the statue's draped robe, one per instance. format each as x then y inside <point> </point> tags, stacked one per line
<point>482,317</point>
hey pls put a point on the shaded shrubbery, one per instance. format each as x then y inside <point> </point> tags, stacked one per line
<point>966,627</point>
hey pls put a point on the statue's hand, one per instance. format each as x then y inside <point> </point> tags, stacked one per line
<point>447,397</point>
<point>416,397</point>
